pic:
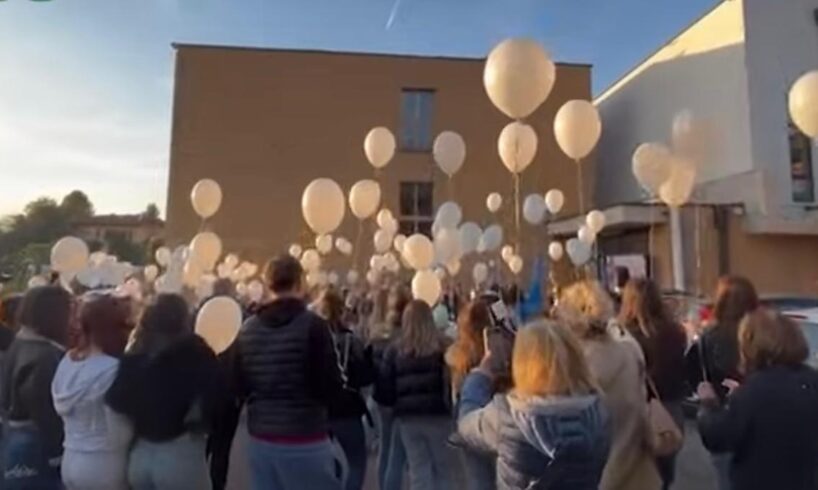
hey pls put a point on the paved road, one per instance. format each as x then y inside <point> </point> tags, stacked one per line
<point>694,470</point>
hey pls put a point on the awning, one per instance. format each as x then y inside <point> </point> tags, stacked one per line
<point>618,218</point>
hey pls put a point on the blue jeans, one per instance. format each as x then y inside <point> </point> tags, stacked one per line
<point>480,470</point>
<point>721,461</point>
<point>24,462</point>
<point>350,435</point>
<point>292,466</point>
<point>391,453</point>
<point>178,464</point>
<point>431,460</point>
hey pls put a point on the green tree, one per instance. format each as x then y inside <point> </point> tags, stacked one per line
<point>76,205</point>
<point>151,212</point>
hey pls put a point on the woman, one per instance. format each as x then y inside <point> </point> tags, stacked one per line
<point>463,356</point>
<point>414,382</point>
<point>96,438</point>
<point>663,342</point>
<point>551,431</point>
<point>171,387</point>
<point>618,369</point>
<point>346,415</point>
<point>33,434</point>
<point>714,358</point>
<point>769,425</point>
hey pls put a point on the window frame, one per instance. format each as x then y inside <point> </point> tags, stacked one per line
<point>795,134</point>
<point>402,145</point>
<point>418,222</point>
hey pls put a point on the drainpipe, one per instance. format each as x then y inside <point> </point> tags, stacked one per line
<point>677,250</point>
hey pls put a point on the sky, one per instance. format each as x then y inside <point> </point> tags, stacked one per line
<point>86,85</point>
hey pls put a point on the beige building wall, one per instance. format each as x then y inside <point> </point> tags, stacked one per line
<point>264,123</point>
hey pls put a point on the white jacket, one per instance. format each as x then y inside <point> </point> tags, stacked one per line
<point>79,389</point>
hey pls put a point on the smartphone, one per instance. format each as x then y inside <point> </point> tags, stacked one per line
<point>501,317</point>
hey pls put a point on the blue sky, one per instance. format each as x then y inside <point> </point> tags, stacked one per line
<point>86,85</point>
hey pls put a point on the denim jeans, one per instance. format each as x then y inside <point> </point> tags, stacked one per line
<point>179,464</point>
<point>25,464</point>
<point>391,452</point>
<point>432,462</point>
<point>721,461</point>
<point>350,435</point>
<point>292,466</point>
<point>480,470</point>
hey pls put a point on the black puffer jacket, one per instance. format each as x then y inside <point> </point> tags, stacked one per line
<point>359,372</point>
<point>288,371</point>
<point>413,385</point>
<point>714,357</point>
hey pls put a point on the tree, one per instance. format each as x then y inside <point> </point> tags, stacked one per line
<point>76,205</point>
<point>151,212</point>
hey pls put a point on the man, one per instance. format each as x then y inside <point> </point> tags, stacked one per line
<point>288,373</point>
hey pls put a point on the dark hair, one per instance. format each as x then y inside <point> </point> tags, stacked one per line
<point>10,308</point>
<point>767,339</point>
<point>223,287</point>
<point>643,309</point>
<point>165,319</point>
<point>105,321</point>
<point>48,310</point>
<point>468,350</point>
<point>283,274</point>
<point>331,307</point>
<point>735,298</point>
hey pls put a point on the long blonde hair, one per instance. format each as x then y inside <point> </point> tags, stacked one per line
<point>548,361</point>
<point>419,336</point>
<point>587,308</point>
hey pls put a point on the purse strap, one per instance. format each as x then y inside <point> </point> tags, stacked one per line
<point>652,387</point>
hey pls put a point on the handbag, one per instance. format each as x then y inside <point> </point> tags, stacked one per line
<point>666,438</point>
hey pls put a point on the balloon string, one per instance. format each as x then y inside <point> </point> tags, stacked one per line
<point>651,264</point>
<point>580,188</point>
<point>356,256</point>
<point>698,239</point>
<point>517,211</point>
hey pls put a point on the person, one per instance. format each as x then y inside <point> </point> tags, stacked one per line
<point>552,430</point>
<point>346,414</point>
<point>8,321</point>
<point>663,342</point>
<point>414,382</point>
<point>171,388</point>
<point>768,423</point>
<point>714,356</point>
<point>97,439</point>
<point>618,369</point>
<point>462,356</point>
<point>289,375</point>
<point>33,433</point>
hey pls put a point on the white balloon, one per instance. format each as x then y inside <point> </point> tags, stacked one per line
<point>372,277</point>
<point>323,243</point>
<point>206,248</point>
<point>493,202</point>
<point>352,277</point>
<point>469,237</point>
<point>480,273</point>
<point>384,218</point>
<point>255,291</point>
<point>398,243</point>
<point>554,201</point>
<point>241,289</point>
<point>206,197</point>
<point>507,252</point>
<point>150,272</point>
<point>382,241</point>
<point>515,264</point>
<point>311,260</point>
<point>577,128</point>
<point>518,76</point>
<point>586,235</point>
<point>449,215</point>
<point>419,252</point>
<point>651,166</point>
<point>678,188</point>
<point>517,146</point>
<point>333,278</point>
<point>453,267</point>
<point>449,152</point>
<point>596,221</point>
<point>364,198</point>
<point>162,256</point>
<point>191,273</point>
<point>555,251</point>
<point>578,251</point>
<point>218,323</point>
<point>534,209</point>
<point>295,250</point>
<point>803,103</point>
<point>343,245</point>
<point>392,263</point>
<point>447,245</point>
<point>323,205</point>
<point>232,260</point>
<point>426,287</point>
<point>69,255</point>
<point>223,271</point>
<point>491,240</point>
<point>379,146</point>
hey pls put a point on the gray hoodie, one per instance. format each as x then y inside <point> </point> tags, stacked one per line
<point>79,389</point>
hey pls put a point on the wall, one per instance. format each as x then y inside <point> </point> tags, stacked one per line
<point>264,123</point>
<point>701,70</point>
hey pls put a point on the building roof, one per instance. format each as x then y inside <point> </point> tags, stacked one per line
<point>178,46</point>
<point>129,220</point>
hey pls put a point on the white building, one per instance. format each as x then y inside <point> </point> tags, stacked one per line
<point>733,68</point>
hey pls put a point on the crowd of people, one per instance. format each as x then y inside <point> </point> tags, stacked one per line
<point>99,393</point>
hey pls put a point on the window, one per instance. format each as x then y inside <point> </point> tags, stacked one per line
<point>416,208</point>
<point>801,171</point>
<point>416,120</point>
